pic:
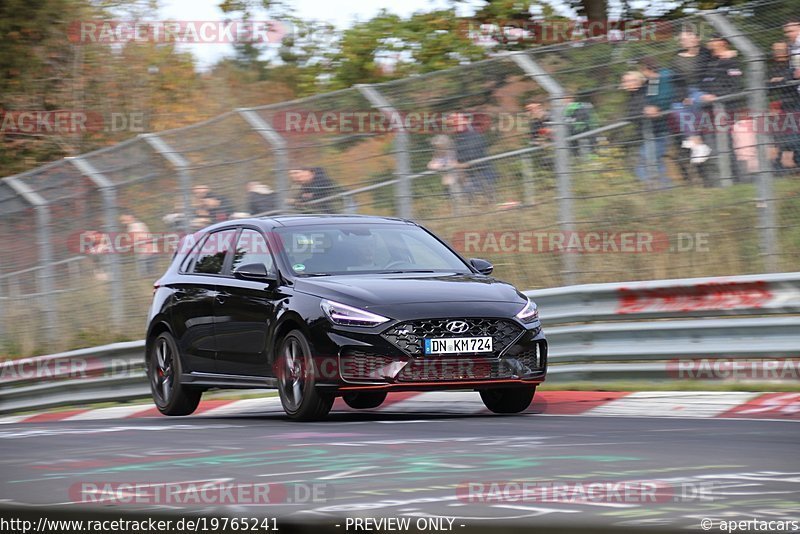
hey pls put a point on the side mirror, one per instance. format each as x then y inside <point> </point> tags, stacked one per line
<point>255,272</point>
<point>482,266</point>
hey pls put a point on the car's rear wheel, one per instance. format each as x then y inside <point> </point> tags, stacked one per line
<point>364,400</point>
<point>164,371</point>
<point>301,400</point>
<point>508,400</point>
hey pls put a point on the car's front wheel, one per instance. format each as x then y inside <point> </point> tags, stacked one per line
<point>508,400</point>
<point>164,371</point>
<point>301,400</point>
<point>364,400</point>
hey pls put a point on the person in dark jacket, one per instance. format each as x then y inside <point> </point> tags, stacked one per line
<point>635,84</point>
<point>471,145</point>
<point>540,125</point>
<point>260,198</point>
<point>688,66</point>
<point>314,184</point>
<point>724,76</point>
<point>785,99</point>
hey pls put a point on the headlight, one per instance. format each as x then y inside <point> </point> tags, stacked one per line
<point>529,313</point>
<point>345,315</point>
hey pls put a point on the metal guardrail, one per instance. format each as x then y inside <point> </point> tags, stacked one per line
<point>637,330</point>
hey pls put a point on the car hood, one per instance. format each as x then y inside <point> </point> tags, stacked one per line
<point>377,291</point>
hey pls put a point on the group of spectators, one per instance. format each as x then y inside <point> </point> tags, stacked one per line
<point>659,99</point>
<point>458,156</point>
<point>313,186</point>
<point>669,101</point>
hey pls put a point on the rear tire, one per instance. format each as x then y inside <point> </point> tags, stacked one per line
<point>300,398</point>
<point>508,400</point>
<point>364,400</point>
<point>164,373</point>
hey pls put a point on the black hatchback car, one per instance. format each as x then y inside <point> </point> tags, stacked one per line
<point>321,306</point>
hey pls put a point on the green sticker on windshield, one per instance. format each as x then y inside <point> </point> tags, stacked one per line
<point>299,267</point>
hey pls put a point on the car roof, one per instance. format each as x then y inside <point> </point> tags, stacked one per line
<point>305,220</point>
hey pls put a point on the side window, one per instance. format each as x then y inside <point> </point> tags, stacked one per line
<point>211,257</point>
<point>422,254</point>
<point>252,248</point>
<point>188,261</point>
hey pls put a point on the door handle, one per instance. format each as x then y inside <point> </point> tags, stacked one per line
<point>221,298</point>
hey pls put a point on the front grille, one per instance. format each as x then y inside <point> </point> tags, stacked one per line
<point>475,368</point>
<point>409,336</point>
<point>363,365</point>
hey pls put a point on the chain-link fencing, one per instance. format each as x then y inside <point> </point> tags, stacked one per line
<point>667,150</point>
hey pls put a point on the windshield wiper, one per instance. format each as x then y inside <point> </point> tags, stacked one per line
<point>408,271</point>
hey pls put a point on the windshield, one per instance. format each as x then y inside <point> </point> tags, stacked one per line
<point>361,248</point>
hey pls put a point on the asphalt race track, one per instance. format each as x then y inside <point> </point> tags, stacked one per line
<point>392,464</point>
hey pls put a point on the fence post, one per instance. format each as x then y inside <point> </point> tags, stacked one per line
<point>759,107</point>
<point>724,151</point>
<point>650,155</point>
<point>182,166</point>
<point>5,303</point>
<point>528,185</point>
<point>109,194</point>
<point>278,144</point>
<point>562,153</point>
<point>401,151</point>
<point>44,243</point>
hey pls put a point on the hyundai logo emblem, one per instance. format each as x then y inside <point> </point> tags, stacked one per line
<point>457,327</point>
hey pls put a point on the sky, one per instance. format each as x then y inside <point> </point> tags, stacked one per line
<point>341,13</point>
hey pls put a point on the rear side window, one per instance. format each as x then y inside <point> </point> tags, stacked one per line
<point>252,248</point>
<point>211,255</point>
<point>188,260</point>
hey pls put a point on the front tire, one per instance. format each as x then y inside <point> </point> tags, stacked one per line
<point>296,380</point>
<point>508,400</point>
<point>364,400</point>
<point>164,373</point>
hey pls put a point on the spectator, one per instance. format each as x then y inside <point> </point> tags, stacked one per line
<point>792,32</point>
<point>635,83</point>
<point>144,246</point>
<point>470,145</point>
<point>539,115</point>
<point>658,99</point>
<point>580,118</point>
<point>689,65</point>
<point>724,76</point>
<point>98,245</point>
<point>785,99</point>
<point>260,198</point>
<point>445,162</point>
<point>314,184</point>
<point>208,208</point>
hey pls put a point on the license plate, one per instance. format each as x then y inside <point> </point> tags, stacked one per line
<point>445,345</point>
